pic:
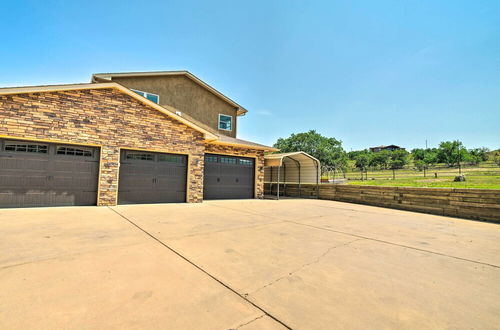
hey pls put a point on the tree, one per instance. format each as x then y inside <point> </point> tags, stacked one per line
<point>363,160</point>
<point>354,154</point>
<point>429,155</point>
<point>381,159</point>
<point>453,153</point>
<point>327,150</point>
<point>418,154</point>
<point>398,159</point>
<point>495,156</point>
<point>478,155</point>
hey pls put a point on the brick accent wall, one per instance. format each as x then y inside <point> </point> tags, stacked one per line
<point>243,152</point>
<point>104,117</point>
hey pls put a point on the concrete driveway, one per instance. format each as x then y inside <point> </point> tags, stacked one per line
<point>302,264</point>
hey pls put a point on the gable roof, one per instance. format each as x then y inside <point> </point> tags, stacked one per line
<point>57,88</point>
<point>209,134</point>
<point>103,77</point>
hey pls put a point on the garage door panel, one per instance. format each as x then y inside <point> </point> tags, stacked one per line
<point>33,181</point>
<point>148,177</point>
<point>136,182</point>
<point>32,175</point>
<point>228,177</point>
<point>36,165</point>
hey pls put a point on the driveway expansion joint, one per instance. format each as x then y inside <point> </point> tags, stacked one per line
<point>202,270</point>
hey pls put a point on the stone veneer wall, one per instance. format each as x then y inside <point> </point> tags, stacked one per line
<point>244,152</point>
<point>106,118</point>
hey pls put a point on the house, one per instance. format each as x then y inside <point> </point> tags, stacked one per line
<point>149,137</point>
<point>391,147</point>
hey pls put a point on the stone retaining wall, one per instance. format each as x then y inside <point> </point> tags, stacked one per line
<point>479,204</point>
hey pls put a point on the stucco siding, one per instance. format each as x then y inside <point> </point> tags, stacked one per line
<point>185,95</point>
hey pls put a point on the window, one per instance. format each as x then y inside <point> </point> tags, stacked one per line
<point>211,159</point>
<point>70,151</point>
<point>140,156</point>
<point>26,147</point>
<point>228,160</point>
<point>225,122</point>
<point>150,96</point>
<point>170,158</point>
<point>246,162</point>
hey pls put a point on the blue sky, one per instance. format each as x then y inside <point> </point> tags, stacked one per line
<point>365,72</point>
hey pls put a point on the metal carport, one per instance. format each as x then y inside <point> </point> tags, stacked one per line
<point>292,168</point>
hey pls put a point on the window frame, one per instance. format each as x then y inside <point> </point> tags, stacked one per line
<point>146,93</point>
<point>231,122</point>
<point>136,156</point>
<point>27,145</point>
<point>86,152</point>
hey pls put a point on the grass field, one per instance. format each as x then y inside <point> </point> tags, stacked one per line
<point>484,176</point>
<point>482,182</point>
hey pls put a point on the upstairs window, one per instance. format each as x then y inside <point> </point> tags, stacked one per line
<point>225,122</point>
<point>150,96</point>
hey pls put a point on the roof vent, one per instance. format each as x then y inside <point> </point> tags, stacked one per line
<point>178,113</point>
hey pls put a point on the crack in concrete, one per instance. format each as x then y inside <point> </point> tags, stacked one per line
<point>315,261</point>
<point>247,323</point>
<point>395,244</point>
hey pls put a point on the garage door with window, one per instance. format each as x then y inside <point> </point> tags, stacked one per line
<point>46,174</point>
<point>150,177</point>
<point>228,177</point>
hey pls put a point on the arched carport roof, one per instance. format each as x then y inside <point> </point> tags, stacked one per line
<point>291,167</point>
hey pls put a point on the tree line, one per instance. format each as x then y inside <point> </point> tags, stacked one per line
<point>330,152</point>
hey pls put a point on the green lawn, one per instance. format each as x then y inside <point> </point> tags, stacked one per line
<point>482,182</point>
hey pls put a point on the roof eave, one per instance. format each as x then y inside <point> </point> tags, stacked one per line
<point>241,145</point>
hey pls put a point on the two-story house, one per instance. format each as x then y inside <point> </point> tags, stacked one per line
<point>148,137</point>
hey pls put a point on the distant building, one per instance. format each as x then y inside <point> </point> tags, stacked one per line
<point>391,147</point>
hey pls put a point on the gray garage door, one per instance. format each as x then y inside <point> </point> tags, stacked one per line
<point>148,177</point>
<point>228,177</point>
<point>45,174</point>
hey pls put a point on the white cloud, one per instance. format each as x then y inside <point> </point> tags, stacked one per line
<point>264,113</point>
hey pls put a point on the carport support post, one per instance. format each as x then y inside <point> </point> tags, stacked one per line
<point>300,189</point>
<point>271,181</point>
<point>317,179</point>
<point>284,179</point>
<point>278,190</point>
